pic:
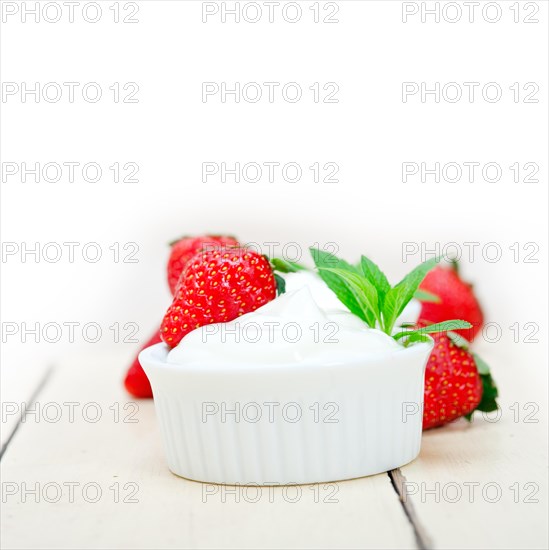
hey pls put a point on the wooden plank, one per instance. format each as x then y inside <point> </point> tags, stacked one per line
<point>171,512</point>
<point>20,382</point>
<point>486,484</point>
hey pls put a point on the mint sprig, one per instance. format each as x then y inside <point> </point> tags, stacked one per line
<point>365,291</point>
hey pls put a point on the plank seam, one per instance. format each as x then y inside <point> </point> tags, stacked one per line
<point>398,481</point>
<point>34,396</point>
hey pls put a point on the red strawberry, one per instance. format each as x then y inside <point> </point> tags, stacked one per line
<point>184,249</point>
<point>136,380</point>
<point>218,286</point>
<point>453,385</point>
<point>457,301</point>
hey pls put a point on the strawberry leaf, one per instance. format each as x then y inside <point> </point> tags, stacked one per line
<point>362,289</point>
<point>482,366</point>
<point>285,266</point>
<point>488,402</point>
<point>280,284</point>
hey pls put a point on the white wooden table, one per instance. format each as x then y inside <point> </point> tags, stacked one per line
<point>482,485</point>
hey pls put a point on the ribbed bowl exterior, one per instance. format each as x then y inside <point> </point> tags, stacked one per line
<point>281,425</point>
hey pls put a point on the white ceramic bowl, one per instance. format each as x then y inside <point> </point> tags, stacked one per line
<point>295,424</point>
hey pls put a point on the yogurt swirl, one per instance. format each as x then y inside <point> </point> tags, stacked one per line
<point>307,325</point>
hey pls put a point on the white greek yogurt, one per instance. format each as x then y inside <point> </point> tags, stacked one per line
<point>307,325</point>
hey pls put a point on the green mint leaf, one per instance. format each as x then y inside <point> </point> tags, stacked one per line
<point>398,297</point>
<point>285,266</point>
<point>364,292</point>
<point>424,296</point>
<point>280,284</point>
<point>419,337</point>
<point>416,337</point>
<point>454,324</point>
<point>335,284</point>
<point>482,366</point>
<point>490,392</point>
<point>411,282</point>
<point>391,305</point>
<point>375,275</point>
<point>327,259</point>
